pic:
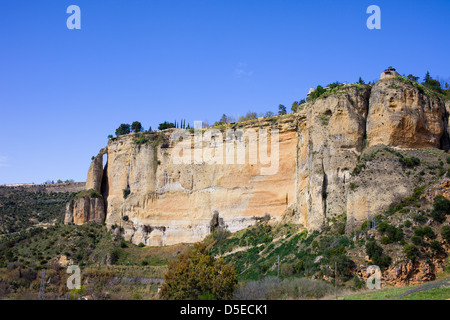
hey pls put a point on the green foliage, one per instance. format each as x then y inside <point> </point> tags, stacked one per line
<point>435,246</point>
<point>445,231</point>
<point>411,252</point>
<point>136,126</point>
<point>441,207</point>
<point>325,119</point>
<point>408,224</point>
<point>195,274</point>
<point>281,109</point>
<point>317,93</point>
<point>166,125</point>
<point>124,128</point>
<point>425,232</point>
<point>353,186</point>
<point>417,240</point>
<point>409,162</point>
<point>87,193</point>
<point>375,253</point>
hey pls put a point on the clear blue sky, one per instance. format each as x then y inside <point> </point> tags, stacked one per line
<point>62,92</point>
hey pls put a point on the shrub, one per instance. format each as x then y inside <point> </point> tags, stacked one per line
<point>196,273</point>
<point>299,266</point>
<point>372,249</point>
<point>409,162</point>
<point>141,245</point>
<point>435,245</point>
<point>417,240</point>
<point>441,207</point>
<point>287,269</point>
<point>124,128</point>
<point>411,251</point>
<point>420,218</point>
<point>445,231</point>
<point>425,232</point>
<point>408,223</point>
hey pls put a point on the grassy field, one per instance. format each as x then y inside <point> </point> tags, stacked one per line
<point>435,290</point>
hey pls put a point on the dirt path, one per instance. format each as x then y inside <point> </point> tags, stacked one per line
<point>425,287</point>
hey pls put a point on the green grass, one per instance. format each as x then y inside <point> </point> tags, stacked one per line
<point>378,294</point>
<point>433,294</point>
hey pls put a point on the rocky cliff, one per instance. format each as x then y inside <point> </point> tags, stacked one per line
<point>150,198</point>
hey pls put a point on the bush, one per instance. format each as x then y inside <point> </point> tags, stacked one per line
<point>196,273</point>
<point>408,224</point>
<point>124,128</point>
<point>287,269</point>
<point>445,231</point>
<point>417,240</point>
<point>375,253</point>
<point>409,162</point>
<point>299,266</point>
<point>425,232</point>
<point>411,252</point>
<point>435,245</point>
<point>441,207</point>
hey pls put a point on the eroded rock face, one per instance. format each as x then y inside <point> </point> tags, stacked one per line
<point>172,203</point>
<point>402,116</point>
<point>95,173</point>
<point>150,199</point>
<point>85,209</point>
<point>331,136</point>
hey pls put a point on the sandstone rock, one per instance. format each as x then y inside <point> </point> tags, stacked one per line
<point>166,203</point>
<point>402,116</point>
<point>85,208</point>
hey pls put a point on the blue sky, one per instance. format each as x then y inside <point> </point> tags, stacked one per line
<point>62,92</point>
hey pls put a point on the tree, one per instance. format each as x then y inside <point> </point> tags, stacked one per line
<point>269,114</point>
<point>110,136</point>
<point>136,126</point>
<point>124,128</point>
<point>294,106</point>
<point>427,78</point>
<point>411,251</point>
<point>441,207</point>
<point>361,81</point>
<point>196,274</point>
<point>412,78</point>
<point>224,119</point>
<point>166,125</point>
<point>445,231</point>
<point>281,109</point>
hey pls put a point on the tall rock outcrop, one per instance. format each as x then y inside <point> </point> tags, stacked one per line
<point>150,198</point>
<point>87,206</point>
<point>331,136</point>
<point>403,116</point>
<point>157,202</point>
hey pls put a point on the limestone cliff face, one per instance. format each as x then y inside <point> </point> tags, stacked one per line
<point>402,116</point>
<point>330,135</point>
<point>149,198</point>
<point>171,203</point>
<point>86,207</point>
